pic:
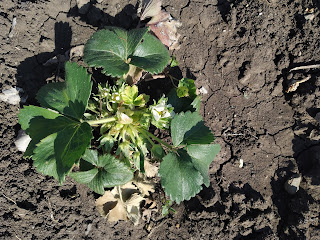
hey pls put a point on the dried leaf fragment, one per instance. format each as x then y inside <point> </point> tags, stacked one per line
<point>161,24</point>
<point>122,203</point>
<point>150,8</point>
<point>144,185</point>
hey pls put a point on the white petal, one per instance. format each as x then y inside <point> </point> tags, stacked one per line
<point>159,108</point>
<point>156,114</point>
<point>166,114</point>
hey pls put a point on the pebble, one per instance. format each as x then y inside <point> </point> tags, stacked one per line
<point>11,95</point>
<point>292,184</point>
<point>241,163</point>
<point>22,141</point>
<point>203,90</point>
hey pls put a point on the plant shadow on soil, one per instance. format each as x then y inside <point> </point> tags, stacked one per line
<point>292,209</point>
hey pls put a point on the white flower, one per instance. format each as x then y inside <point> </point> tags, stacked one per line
<point>115,97</point>
<point>161,111</point>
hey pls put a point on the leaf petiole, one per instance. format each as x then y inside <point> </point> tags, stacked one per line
<point>101,121</point>
<point>144,132</point>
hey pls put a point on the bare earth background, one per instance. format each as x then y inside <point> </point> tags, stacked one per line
<point>241,51</point>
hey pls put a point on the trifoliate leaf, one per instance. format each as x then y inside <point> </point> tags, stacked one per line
<point>181,124</point>
<point>202,156</point>
<point>70,97</point>
<point>179,178</point>
<point>107,171</point>
<point>114,49</point>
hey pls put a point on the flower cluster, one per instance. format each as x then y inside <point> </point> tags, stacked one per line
<point>131,117</point>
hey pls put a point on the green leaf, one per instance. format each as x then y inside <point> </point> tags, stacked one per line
<point>196,103</point>
<point>186,88</point>
<point>202,156</point>
<point>114,49</point>
<point>189,128</point>
<point>179,178</point>
<point>29,112</point>
<point>181,124</point>
<point>106,172</point>
<point>44,158</point>
<point>70,97</point>
<point>56,153</point>
<point>179,104</point>
<point>69,146</point>
<point>151,55</point>
<point>107,143</point>
<point>158,151</point>
<point>41,127</point>
<point>174,62</point>
<point>129,94</point>
<point>198,134</point>
<point>182,91</point>
<point>110,48</point>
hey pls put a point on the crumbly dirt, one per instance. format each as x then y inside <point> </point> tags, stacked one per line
<point>241,52</point>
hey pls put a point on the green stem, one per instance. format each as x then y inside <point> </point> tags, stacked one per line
<point>144,132</point>
<point>101,121</point>
<point>147,137</point>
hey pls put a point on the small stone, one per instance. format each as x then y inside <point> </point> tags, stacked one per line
<point>309,17</point>
<point>83,6</point>
<point>11,95</point>
<point>241,163</point>
<point>203,91</point>
<point>22,141</point>
<point>292,184</point>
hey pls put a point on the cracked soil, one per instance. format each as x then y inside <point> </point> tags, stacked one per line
<point>241,52</point>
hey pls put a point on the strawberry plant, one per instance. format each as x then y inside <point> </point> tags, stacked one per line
<point>102,138</point>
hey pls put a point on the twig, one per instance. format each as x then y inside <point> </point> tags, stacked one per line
<point>51,212</point>
<point>9,199</point>
<point>305,67</point>
<point>233,134</point>
<point>13,25</point>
